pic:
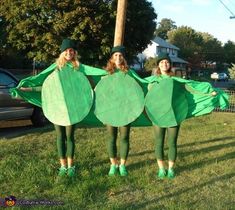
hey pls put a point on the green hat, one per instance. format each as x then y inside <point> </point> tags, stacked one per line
<point>67,43</point>
<point>163,56</point>
<point>118,48</point>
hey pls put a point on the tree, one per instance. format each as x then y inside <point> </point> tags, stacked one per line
<point>150,64</point>
<point>37,28</point>
<point>9,56</point>
<point>163,27</point>
<point>140,26</point>
<point>232,71</point>
<point>190,43</point>
<point>229,52</point>
<point>212,49</point>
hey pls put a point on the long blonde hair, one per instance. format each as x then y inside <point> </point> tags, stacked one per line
<point>111,66</point>
<point>61,61</point>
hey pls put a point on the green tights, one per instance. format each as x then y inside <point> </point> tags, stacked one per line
<point>124,141</point>
<point>172,135</point>
<point>65,140</point>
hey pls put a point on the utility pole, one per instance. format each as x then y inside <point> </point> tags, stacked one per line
<point>120,22</point>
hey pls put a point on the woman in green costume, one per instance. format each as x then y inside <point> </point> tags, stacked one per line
<point>117,62</point>
<point>171,109</point>
<point>66,93</point>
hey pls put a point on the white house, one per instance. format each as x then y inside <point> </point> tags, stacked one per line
<point>157,46</point>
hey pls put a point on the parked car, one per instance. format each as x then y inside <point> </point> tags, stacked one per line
<point>223,77</point>
<point>219,76</point>
<point>214,75</point>
<point>11,108</point>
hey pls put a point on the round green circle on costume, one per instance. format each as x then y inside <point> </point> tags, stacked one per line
<point>119,99</point>
<point>67,96</point>
<point>166,104</point>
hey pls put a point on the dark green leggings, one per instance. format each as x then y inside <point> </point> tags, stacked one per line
<point>124,141</point>
<point>65,140</point>
<point>172,135</point>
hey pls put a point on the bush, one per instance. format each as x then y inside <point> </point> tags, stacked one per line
<point>150,64</point>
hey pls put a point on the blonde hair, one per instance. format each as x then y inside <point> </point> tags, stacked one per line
<point>111,66</point>
<point>61,61</point>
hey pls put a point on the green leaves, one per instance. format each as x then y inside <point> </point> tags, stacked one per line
<point>232,71</point>
<point>164,26</point>
<point>36,28</point>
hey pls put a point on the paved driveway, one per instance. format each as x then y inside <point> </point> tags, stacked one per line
<point>16,128</point>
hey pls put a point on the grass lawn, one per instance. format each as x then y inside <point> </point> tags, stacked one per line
<point>205,169</point>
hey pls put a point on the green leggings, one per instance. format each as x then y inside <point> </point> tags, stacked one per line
<point>65,140</point>
<point>124,141</point>
<point>172,135</point>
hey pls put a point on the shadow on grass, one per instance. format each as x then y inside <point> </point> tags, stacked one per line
<point>140,164</point>
<point>207,149</point>
<point>206,141</point>
<point>168,196</point>
<point>207,162</point>
<point>141,153</point>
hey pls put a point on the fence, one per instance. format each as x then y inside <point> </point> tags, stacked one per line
<point>231,107</point>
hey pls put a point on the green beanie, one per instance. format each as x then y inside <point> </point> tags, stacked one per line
<point>67,43</point>
<point>118,48</point>
<point>163,56</point>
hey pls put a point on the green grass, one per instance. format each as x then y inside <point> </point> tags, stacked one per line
<point>205,169</point>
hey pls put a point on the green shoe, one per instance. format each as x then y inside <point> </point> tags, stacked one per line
<point>171,173</point>
<point>62,171</point>
<point>71,171</point>
<point>122,170</point>
<point>161,173</point>
<point>113,170</point>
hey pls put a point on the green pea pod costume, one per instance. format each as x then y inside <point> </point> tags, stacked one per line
<point>66,95</point>
<point>172,100</point>
<point>195,98</point>
<point>166,103</point>
<point>119,99</point>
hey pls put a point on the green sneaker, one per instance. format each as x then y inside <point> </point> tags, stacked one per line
<point>113,170</point>
<point>171,173</point>
<point>71,171</point>
<point>122,170</point>
<point>62,171</point>
<point>161,173</point>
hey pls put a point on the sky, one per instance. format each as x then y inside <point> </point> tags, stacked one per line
<point>209,16</point>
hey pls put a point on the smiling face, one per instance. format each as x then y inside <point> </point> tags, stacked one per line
<point>118,59</point>
<point>164,66</point>
<point>69,54</point>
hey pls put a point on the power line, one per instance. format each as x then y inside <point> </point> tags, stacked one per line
<point>233,16</point>
<point>231,2</point>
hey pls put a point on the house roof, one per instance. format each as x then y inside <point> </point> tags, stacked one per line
<point>162,43</point>
<point>177,60</point>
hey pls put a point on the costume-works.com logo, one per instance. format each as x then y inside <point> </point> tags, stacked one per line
<point>10,201</point>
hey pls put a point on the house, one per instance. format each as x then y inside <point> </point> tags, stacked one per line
<point>157,46</point>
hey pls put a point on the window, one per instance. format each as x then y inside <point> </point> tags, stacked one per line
<point>7,80</point>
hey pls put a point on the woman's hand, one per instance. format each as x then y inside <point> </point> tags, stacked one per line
<point>214,93</point>
<point>26,89</point>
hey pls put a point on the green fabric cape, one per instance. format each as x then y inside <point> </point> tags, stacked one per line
<point>198,94</point>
